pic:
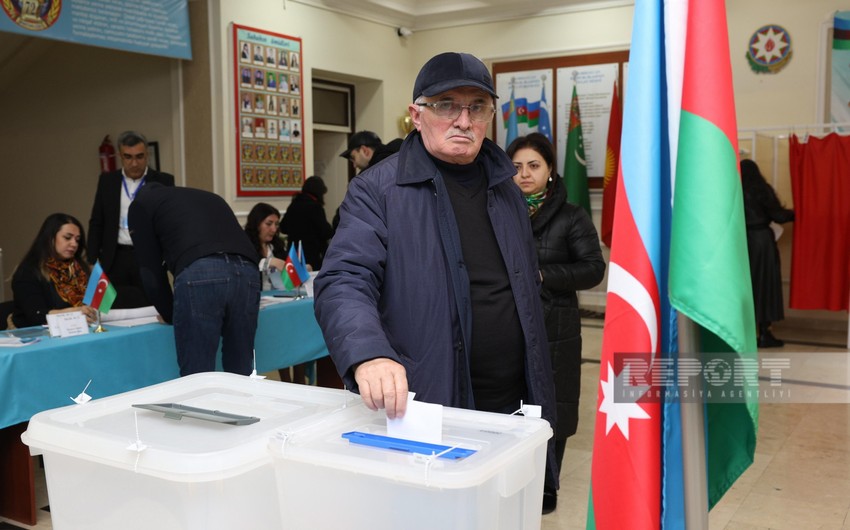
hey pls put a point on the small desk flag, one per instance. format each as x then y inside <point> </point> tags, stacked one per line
<point>100,293</point>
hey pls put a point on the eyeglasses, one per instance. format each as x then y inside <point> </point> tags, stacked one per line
<point>451,110</point>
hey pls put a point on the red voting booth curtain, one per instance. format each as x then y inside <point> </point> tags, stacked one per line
<point>820,259</point>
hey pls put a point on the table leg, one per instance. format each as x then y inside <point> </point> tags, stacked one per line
<point>17,484</point>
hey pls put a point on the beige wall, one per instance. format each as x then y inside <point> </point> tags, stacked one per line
<point>342,48</point>
<point>63,100</point>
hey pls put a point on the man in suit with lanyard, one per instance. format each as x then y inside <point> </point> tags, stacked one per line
<point>109,236</point>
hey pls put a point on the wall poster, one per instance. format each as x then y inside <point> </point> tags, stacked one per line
<point>595,87</point>
<point>269,113</point>
<point>523,104</point>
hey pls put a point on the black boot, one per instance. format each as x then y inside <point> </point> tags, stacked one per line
<point>550,500</point>
<point>766,338</point>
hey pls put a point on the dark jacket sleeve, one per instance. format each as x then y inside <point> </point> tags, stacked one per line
<point>149,255</point>
<point>773,208</point>
<point>347,289</point>
<point>33,298</point>
<point>95,235</point>
<point>586,267</point>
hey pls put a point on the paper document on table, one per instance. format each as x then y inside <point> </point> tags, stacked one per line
<point>422,422</point>
<point>266,301</point>
<point>130,317</point>
<point>15,342</point>
<point>131,322</point>
<point>129,314</point>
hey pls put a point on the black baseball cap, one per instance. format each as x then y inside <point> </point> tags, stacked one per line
<point>359,139</point>
<point>450,70</point>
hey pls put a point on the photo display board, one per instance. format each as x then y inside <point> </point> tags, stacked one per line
<point>269,113</point>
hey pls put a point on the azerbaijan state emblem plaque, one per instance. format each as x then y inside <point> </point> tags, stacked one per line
<point>769,49</point>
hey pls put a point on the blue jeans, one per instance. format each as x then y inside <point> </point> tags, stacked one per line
<point>217,296</point>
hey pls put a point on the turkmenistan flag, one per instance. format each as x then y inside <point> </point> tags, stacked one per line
<point>100,293</point>
<point>575,163</point>
<point>709,267</point>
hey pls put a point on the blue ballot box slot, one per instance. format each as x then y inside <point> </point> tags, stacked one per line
<point>408,446</point>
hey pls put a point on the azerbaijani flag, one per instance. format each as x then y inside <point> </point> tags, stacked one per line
<point>841,31</point>
<point>295,272</point>
<point>709,264</point>
<point>687,255</point>
<point>612,164</point>
<point>625,490</point>
<point>100,293</point>
<point>575,163</point>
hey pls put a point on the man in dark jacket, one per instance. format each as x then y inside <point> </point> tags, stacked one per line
<point>216,277</point>
<point>109,237</point>
<point>364,151</point>
<point>431,282</point>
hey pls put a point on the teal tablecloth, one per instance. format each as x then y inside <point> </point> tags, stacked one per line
<point>50,373</point>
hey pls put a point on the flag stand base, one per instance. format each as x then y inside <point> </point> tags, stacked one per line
<point>99,328</point>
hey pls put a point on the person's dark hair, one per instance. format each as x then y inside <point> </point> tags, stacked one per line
<point>751,176</point>
<point>539,143</point>
<point>44,245</point>
<point>131,138</point>
<point>257,215</point>
<point>315,186</point>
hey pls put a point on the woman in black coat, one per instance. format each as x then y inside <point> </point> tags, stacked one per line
<point>570,259</point>
<point>761,206</point>
<point>305,221</point>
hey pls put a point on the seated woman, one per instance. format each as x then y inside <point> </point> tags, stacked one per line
<point>262,228</point>
<point>53,275</point>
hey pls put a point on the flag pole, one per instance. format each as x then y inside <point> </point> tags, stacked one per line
<point>695,480</point>
<point>98,328</point>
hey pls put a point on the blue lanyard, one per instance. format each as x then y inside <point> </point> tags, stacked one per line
<point>127,190</point>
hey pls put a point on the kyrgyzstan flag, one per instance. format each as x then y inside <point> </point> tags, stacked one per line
<point>100,293</point>
<point>295,272</point>
<point>612,165</point>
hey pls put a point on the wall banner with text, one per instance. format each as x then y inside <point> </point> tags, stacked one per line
<point>594,87</point>
<point>269,113</point>
<point>155,27</point>
<point>524,105</point>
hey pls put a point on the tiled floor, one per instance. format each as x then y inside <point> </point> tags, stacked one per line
<point>801,476</point>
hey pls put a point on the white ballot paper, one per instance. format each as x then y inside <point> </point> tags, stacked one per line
<point>67,324</point>
<point>130,317</point>
<point>422,422</point>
